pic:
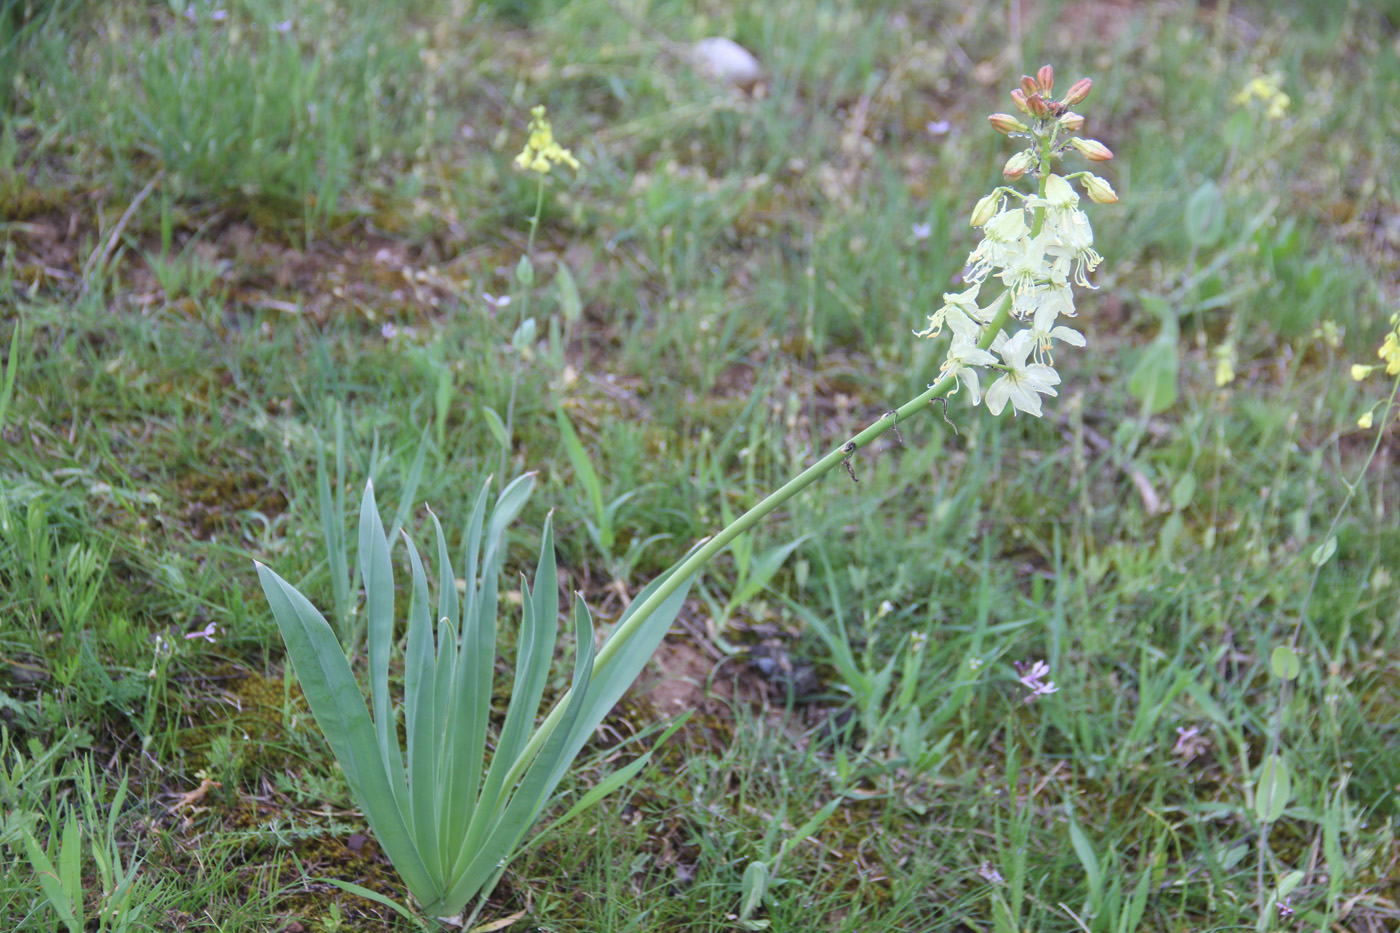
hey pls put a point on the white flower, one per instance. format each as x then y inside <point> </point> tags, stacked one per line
<point>964,355</point>
<point>1074,243</point>
<point>965,302</point>
<point>1044,330</point>
<point>1025,268</point>
<point>1001,236</point>
<point>1021,384</point>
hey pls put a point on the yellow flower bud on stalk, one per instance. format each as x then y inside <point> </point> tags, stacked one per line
<point>1099,191</point>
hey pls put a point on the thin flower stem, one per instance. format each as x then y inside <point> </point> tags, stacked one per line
<point>1286,690</point>
<point>524,313</point>
<point>744,522</point>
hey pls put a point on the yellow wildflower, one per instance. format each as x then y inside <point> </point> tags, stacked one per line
<point>1365,421</point>
<point>541,152</point>
<point>1265,88</point>
<point>1225,364</point>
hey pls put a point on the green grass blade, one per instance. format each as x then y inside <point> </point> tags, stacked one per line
<point>333,529</point>
<point>613,781</point>
<point>410,486</point>
<point>340,711</point>
<point>419,700</point>
<point>50,882</point>
<point>361,891</point>
<point>11,372</point>
<point>583,467</point>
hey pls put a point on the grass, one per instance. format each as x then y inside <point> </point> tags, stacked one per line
<point>328,207</point>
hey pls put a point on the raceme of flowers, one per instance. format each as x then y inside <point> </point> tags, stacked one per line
<point>1038,246</point>
<point>542,152</point>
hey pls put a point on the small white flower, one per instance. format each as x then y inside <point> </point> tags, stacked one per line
<point>1044,331</point>
<point>1002,236</point>
<point>966,302</point>
<point>1024,269</point>
<point>921,232</point>
<point>964,356</point>
<point>1021,384</point>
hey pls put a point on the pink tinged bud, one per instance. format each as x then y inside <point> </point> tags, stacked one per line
<point>1028,85</point>
<point>1018,97</point>
<point>1018,165</point>
<point>1046,78</point>
<point>1038,105</point>
<point>1077,92</point>
<point>1092,149</point>
<point>1072,122</point>
<point>985,210</point>
<point>1005,123</point>
<point>1099,191</point>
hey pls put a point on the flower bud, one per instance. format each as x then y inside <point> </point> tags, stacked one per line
<point>1092,149</point>
<point>1072,122</point>
<point>986,209</point>
<point>1005,123</point>
<point>1365,421</point>
<point>1019,164</point>
<point>1038,106</point>
<point>1077,92</point>
<point>1028,85</point>
<point>1046,78</point>
<point>1099,191</point>
<point>1359,372</point>
<point>1018,97</point>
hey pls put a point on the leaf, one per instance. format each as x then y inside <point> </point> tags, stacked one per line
<point>1153,381</point>
<point>1183,491</point>
<point>361,891</point>
<point>1273,790</point>
<point>584,472</point>
<point>410,486</point>
<point>339,708</point>
<point>1289,883</point>
<point>569,304</point>
<point>377,575</point>
<point>763,570</point>
<point>495,425</point>
<point>420,726</point>
<point>754,887</point>
<point>1284,663</point>
<point>615,780</point>
<point>1084,849</point>
<point>51,882</point>
<point>1324,551</point>
<point>1205,216</point>
<point>11,372</point>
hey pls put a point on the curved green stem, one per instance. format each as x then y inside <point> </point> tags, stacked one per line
<point>743,523</point>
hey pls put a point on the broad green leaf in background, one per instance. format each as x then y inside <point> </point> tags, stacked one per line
<point>1205,216</point>
<point>1273,790</point>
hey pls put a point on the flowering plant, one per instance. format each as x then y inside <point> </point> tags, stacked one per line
<point>450,822</point>
<point>1037,246</point>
